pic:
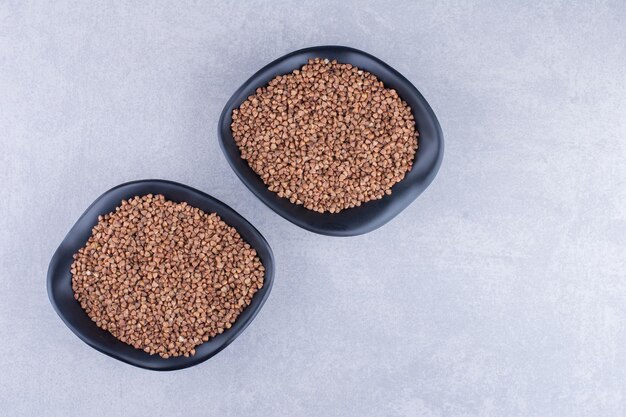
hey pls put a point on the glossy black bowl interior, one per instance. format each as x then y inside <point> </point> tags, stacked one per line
<point>370,215</point>
<point>60,279</point>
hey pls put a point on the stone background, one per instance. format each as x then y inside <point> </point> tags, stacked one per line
<point>499,292</point>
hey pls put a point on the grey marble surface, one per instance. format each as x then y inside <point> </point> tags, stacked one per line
<point>499,292</point>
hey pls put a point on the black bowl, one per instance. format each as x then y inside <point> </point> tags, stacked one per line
<point>60,279</point>
<point>368,216</point>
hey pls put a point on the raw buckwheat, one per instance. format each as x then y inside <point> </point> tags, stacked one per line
<point>328,136</point>
<point>163,276</point>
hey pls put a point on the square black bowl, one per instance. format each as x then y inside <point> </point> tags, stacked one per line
<point>368,216</point>
<point>60,279</point>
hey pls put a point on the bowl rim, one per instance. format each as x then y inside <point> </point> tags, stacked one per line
<point>331,228</point>
<point>155,362</point>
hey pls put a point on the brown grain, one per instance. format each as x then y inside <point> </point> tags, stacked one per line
<point>328,136</point>
<point>163,276</point>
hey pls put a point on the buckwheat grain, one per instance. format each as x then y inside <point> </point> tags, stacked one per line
<point>163,276</point>
<point>328,136</point>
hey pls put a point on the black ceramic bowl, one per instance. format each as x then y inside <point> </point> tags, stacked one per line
<point>60,279</point>
<point>370,215</point>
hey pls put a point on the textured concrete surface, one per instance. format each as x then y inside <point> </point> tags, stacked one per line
<point>499,292</point>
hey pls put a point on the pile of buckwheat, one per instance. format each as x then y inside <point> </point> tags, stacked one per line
<point>164,277</point>
<point>328,136</point>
